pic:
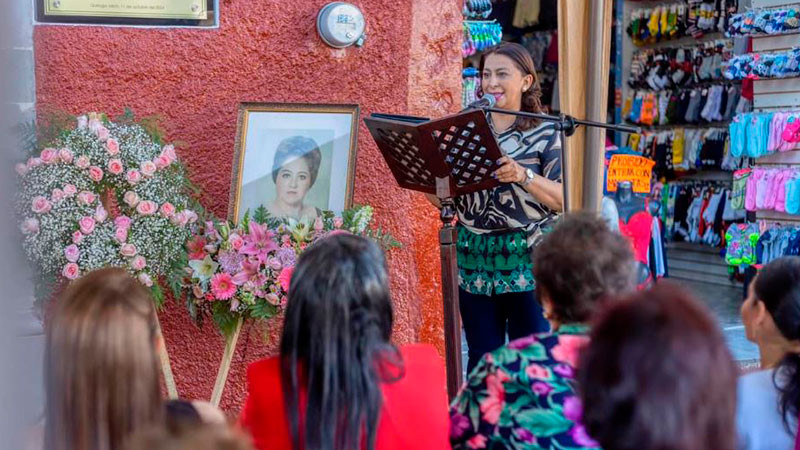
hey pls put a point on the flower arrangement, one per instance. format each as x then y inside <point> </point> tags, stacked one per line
<point>105,194</point>
<point>236,272</point>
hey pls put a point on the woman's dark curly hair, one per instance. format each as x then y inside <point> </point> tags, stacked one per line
<point>532,98</point>
<point>579,264</point>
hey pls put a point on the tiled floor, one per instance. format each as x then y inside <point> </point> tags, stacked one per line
<point>723,302</point>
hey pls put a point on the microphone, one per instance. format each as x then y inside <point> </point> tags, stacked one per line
<point>485,102</point>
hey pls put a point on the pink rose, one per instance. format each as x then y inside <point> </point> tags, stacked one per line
<point>57,195</point>
<point>128,250</point>
<point>148,168</point>
<point>131,198</point>
<point>121,235</point>
<point>95,173</point>
<point>133,176</point>
<point>49,155</point>
<point>66,155</point>
<point>180,219</point>
<point>122,222</point>
<point>145,279</point>
<point>112,146</point>
<point>115,166</point>
<point>147,208</point>
<point>33,162</point>
<point>236,241</point>
<point>161,162</point>
<point>77,237</point>
<point>100,214</point>
<point>169,152</point>
<point>167,209</point>
<point>40,205</point>
<point>102,133</point>
<point>83,122</point>
<point>338,222</point>
<point>138,262</point>
<point>86,225</point>
<point>86,198</point>
<point>72,253</point>
<point>30,226</point>
<point>191,216</point>
<point>71,271</point>
<point>70,190</point>
<point>21,169</point>
<point>82,162</point>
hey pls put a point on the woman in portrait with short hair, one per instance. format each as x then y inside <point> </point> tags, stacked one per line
<point>294,171</point>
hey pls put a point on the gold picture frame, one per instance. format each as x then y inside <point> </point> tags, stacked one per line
<point>261,131</point>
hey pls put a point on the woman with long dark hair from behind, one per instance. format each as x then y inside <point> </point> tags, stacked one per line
<point>101,364</point>
<point>339,383</point>
<point>769,400</point>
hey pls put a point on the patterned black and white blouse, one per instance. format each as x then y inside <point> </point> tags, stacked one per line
<point>509,207</point>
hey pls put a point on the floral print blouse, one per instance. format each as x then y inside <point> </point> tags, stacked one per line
<point>522,396</point>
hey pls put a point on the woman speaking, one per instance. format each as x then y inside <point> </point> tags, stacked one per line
<point>499,228</point>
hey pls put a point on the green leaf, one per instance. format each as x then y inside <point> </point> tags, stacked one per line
<point>224,318</point>
<point>261,215</point>
<point>262,310</point>
<point>158,295</point>
<point>543,422</point>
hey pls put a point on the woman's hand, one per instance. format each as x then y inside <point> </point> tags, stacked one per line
<point>545,191</point>
<point>509,171</point>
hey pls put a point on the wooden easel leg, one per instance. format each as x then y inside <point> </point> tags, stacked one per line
<point>225,364</point>
<point>166,368</point>
<point>448,236</point>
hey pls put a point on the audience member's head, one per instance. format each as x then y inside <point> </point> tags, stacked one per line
<point>771,315</point>
<point>578,265</point>
<point>336,330</point>
<point>657,375</point>
<point>198,437</point>
<point>101,364</point>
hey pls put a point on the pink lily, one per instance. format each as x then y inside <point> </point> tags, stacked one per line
<point>249,270</point>
<point>259,242</point>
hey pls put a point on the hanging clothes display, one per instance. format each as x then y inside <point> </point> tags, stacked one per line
<point>698,211</point>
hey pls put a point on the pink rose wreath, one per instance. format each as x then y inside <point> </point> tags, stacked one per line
<point>105,194</point>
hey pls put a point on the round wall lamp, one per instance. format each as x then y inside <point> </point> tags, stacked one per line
<point>341,24</point>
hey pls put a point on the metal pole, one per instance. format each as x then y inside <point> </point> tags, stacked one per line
<point>595,109</point>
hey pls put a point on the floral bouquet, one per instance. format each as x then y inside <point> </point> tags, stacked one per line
<point>104,193</point>
<point>236,272</point>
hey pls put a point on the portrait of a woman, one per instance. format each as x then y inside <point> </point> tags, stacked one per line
<point>294,170</point>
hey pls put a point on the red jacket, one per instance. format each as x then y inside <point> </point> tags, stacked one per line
<point>414,413</point>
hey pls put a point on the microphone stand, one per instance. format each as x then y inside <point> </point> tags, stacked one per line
<point>566,125</point>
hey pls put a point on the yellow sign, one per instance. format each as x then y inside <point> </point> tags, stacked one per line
<point>148,9</point>
<point>633,168</point>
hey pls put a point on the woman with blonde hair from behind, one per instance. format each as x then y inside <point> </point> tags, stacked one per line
<point>101,364</point>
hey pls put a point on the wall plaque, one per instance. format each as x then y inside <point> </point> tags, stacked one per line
<point>128,12</point>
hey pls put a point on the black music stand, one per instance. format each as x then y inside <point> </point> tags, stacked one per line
<point>452,156</point>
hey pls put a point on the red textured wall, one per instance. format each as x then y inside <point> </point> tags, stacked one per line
<point>269,51</point>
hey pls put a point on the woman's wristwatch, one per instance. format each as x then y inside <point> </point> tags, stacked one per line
<point>528,178</point>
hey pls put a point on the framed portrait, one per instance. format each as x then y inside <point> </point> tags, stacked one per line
<point>295,160</point>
